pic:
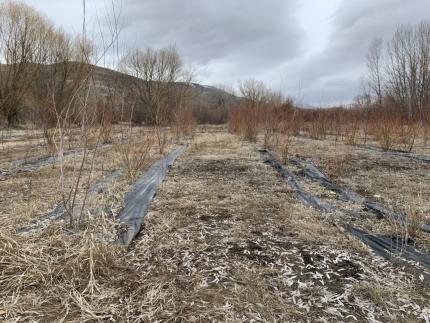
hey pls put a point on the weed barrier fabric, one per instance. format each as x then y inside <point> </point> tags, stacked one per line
<point>59,212</point>
<point>387,247</point>
<point>314,173</point>
<point>137,201</point>
<point>304,197</point>
<point>399,153</point>
<point>32,164</point>
<point>382,246</point>
<point>380,210</point>
<point>102,184</point>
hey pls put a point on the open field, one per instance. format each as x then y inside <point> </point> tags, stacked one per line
<point>225,239</point>
<point>396,181</point>
<point>134,189</point>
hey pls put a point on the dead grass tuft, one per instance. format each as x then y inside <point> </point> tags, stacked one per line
<point>57,274</point>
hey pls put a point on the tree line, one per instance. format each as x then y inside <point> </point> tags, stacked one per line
<point>399,71</point>
<point>48,76</point>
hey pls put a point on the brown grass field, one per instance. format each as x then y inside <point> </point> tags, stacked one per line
<point>225,239</point>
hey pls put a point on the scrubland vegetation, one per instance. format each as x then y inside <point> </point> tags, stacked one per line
<point>342,234</point>
<point>394,109</point>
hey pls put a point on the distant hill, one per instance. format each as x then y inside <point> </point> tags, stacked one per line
<point>203,96</point>
<point>208,102</point>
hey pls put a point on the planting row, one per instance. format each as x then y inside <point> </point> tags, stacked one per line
<point>136,202</point>
<point>397,249</point>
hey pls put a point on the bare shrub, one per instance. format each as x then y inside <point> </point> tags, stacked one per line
<point>384,129</point>
<point>184,122</point>
<point>270,131</point>
<point>243,121</point>
<point>256,111</point>
<point>408,135</point>
<point>318,126</point>
<point>352,132</point>
<point>363,105</point>
<point>134,154</point>
<point>339,167</point>
<point>285,148</point>
<point>249,126</point>
<point>297,123</point>
<point>254,93</point>
<point>161,131</point>
<point>105,122</point>
<point>270,138</point>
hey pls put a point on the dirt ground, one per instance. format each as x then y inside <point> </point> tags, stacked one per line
<point>400,183</point>
<point>225,240</point>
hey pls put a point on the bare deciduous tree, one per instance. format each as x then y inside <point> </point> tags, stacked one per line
<point>374,66</point>
<point>162,85</point>
<point>156,73</point>
<point>408,68</point>
<point>23,35</point>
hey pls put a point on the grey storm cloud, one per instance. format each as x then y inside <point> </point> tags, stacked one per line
<point>310,49</point>
<point>254,35</point>
<point>334,74</point>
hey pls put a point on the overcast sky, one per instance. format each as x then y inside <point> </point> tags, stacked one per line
<point>312,50</point>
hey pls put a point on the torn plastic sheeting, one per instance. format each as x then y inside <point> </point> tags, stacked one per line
<point>304,197</point>
<point>399,153</point>
<point>386,247</point>
<point>31,164</point>
<point>59,212</point>
<point>103,183</point>
<point>380,210</point>
<point>137,201</point>
<point>381,246</point>
<point>314,173</point>
<point>42,160</point>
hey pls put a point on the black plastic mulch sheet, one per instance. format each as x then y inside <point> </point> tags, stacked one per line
<point>137,201</point>
<point>345,194</point>
<point>32,164</point>
<point>304,197</point>
<point>60,213</point>
<point>399,153</point>
<point>382,246</point>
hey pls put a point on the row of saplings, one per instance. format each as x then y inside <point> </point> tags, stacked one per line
<point>386,126</point>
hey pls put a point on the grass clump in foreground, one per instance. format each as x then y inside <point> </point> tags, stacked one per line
<point>57,275</point>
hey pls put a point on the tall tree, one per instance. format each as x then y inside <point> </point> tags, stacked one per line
<point>23,35</point>
<point>374,67</point>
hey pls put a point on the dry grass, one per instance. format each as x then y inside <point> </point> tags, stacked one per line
<point>54,275</point>
<point>225,240</point>
<point>417,212</point>
<point>134,154</point>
